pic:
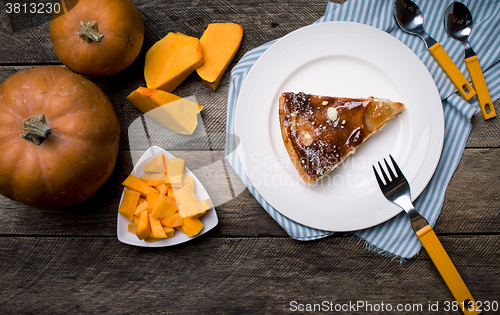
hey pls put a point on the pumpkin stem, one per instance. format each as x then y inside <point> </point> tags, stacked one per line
<point>36,129</point>
<point>89,32</point>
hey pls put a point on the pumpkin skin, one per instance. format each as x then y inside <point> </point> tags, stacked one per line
<point>77,157</point>
<point>118,20</point>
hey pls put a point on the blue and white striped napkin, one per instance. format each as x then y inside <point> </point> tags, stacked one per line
<point>395,237</point>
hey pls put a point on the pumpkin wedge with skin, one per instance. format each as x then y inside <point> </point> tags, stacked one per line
<point>171,60</point>
<point>97,37</point>
<point>173,112</point>
<point>71,139</point>
<point>219,42</point>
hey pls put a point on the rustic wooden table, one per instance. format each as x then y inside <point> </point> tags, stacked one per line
<point>69,260</point>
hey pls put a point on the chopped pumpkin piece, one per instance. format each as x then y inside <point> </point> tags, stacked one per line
<point>189,205</point>
<point>162,188</point>
<point>164,207</point>
<point>173,220</point>
<point>170,193</point>
<point>144,226</point>
<point>173,112</point>
<point>191,226</point>
<point>153,179</point>
<point>132,228</point>
<point>176,172</point>
<point>156,228</point>
<point>219,42</point>
<point>188,180</point>
<point>143,207</point>
<point>134,183</point>
<point>206,204</point>
<point>171,60</point>
<point>129,203</point>
<point>136,219</point>
<point>152,197</point>
<point>155,165</point>
<point>169,231</point>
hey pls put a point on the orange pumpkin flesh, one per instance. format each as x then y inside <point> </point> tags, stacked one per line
<point>80,152</point>
<point>97,37</point>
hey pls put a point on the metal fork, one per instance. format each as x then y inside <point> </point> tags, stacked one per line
<point>396,189</point>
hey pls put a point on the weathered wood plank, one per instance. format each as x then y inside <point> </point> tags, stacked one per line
<point>54,275</point>
<point>471,202</point>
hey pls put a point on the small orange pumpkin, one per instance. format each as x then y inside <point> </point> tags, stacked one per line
<point>97,37</point>
<point>59,137</point>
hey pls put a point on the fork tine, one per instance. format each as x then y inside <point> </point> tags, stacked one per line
<point>396,167</point>
<point>379,180</point>
<point>387,180</point>
<point>389,169</point>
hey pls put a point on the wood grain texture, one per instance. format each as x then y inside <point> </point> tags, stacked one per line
<point>471,203</point>
<point>227,276</point>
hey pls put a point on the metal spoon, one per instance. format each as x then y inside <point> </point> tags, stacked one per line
<point>458,24</point>
<point>411,20</point>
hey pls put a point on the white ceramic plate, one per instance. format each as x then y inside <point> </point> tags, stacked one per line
<point>339,59</point>
<point>209,219</point>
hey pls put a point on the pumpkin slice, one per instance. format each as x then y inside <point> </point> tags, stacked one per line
<point>129,203</point>
<point>219,42</point>
<point>188,203</point>
<point>164,207</point>
<point>156,165</point>
<point>173,112</point>
<point>153,179</point>
<point>134,183</point>
<point>176,172</point>
<point>156,228</point>
<point>191,226</point>
<point>172,221</point>
<point>144,226</point>
<point>169,231</point>
<point>171,60</point>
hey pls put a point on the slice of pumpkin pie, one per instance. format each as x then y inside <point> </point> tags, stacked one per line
<point>320,132</point>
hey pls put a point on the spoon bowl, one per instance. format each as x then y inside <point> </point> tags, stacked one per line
<point>411,20</point>
<point>458,24</point>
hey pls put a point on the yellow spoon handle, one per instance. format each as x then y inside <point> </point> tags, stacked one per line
<point>456,77</point>
<point>483,96</point>
<point>447,270</point>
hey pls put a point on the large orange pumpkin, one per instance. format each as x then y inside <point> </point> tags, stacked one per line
<point>59,137</point>
<point>97,37</point>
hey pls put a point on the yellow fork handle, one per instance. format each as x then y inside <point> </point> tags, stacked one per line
<point>447,270</point>
<point>450,68</point>
<point>483,96</point>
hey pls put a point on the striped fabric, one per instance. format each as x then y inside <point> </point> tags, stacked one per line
<point>395,237</point>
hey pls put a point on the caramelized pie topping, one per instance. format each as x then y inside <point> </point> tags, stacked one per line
<point>319,132</point>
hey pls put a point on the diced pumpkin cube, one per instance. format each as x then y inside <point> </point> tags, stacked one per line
<point>143,207</point>
<point>169,231</point>
<point>173,220</point>
<point>136,219</point>
<point>152,197</point>
<point>132,228</point>
<point>191,226</point>
<point>206,204</point>
<point>144,226</point>
<point>188,180</point>
<point>171,60</point>
<point>219,42</point>
<point>170,193</point>
<point>164,207</point>
<point>153,179</point>
<point>189,205</point>
<point>176,172</point>
<point>162,188</point>
<point>155,165</point>
<point>134,183</point>
<point>129,203</point>
<point>156,228</point>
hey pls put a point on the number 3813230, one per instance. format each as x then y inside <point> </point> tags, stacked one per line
<point>32,8</point>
